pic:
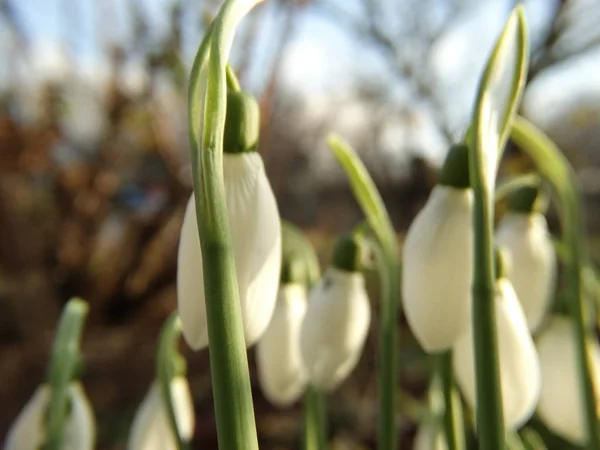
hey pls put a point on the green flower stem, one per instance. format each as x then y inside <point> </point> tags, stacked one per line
<point>387,250</point>
<point>553,166</point>
<point>493,113</point>
<point>62,367</point>
<point>166,361</point>
<point>296,245</point>
<point>453,426</point>
<point>315,430</point>
<point>514,184</point>
<point>236,428</point>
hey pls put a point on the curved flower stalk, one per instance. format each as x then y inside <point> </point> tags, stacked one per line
<point>151,428</point>
<point>79,433</point>
<point>256,240</point>
<point>519,366</point>
<point>561,406</point>
<point>281,373</point>
<point>523,233</point>
<point>337,320</point>
<point>437,259</point>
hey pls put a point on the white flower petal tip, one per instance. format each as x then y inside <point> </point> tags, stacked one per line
<point>151,430</point>
<point>281,373</point>
<point>27,432</point>
<point>532,261</point>
<point>335,328</point>
<point>256,234</point>
<point>519,366</point>
<point>560,406</point>
<point>437,269</point>
<point>429,437</point>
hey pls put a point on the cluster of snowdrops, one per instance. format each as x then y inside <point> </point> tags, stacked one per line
<point>247,279</point>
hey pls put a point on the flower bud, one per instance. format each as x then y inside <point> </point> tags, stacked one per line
<point>519,366</point>
<point>151,429</point>
<point>524,234</point>
<point>256,238</point>
<point>28,431</point>
<point>561,405</point>
<point>336,324</point>
<point>281,372</point>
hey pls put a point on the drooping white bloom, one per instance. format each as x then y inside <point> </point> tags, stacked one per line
<point>28,430</point>
<point>561,404</point>
<point>437,269</point>
<point>151,429</point>
<point>256,234</point>
<point>519,366</point>
<point>281,372</point>
<point>533,262</point>
<point>335,327</point>
<point>429,437</point>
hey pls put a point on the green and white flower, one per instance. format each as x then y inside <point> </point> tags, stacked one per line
<point>437,259</point>
<point>560,406</point>
<point>281,373</point>
<point>256,239</point>
<point>28,430</point>
<point>523,232</point>
<point>337,320</point>
<point>519,366</point>
<point>151,429</point>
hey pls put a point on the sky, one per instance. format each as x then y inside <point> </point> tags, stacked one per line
<point>322,58</point>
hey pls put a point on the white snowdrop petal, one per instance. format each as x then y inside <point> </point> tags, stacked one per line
<point>281,372</point>
<point>519,366</point>
<point>437,269</point>
<point>560,406</point>
<point>335,328</point>
<point>80,433</point>
<point>151,430</point>
<point>429,437</point>
<point>533,262</point>
<point>256,235</point>
<point>28,432</point>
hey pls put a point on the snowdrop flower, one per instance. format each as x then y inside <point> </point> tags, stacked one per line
<point>281,372</point>
<point>523,232</point>
<point>28,430</point>
<point>519,366</point>
<point>256,237</point>
<point>560,406</point>
<point>151,429</point>
<point>429,437</point>
<point>337,319</point>
<point>437,259</point>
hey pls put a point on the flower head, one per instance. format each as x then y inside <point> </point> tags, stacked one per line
<point>255,231</point>
<point>561,406</point>
<point>523,232</point>
<point>28,430</point>
<point>437,260</point>
<point>519,366</point>
<point>281,372</point>
<point>151,429</point>
<point>337,320</point>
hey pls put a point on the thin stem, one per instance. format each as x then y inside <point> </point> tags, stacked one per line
<point>552,164</point>
<point>236,428</point>
<point>315,421</point>
<point>232,82</point>
<point>514,184</point>
<point>453,427</point>
<point>165,368</point>
<point>64,362</point>
<point>370,200</point>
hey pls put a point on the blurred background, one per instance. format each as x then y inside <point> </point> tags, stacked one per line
<point>94,164</point>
